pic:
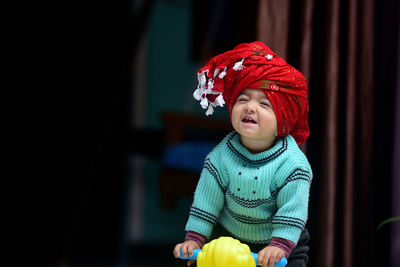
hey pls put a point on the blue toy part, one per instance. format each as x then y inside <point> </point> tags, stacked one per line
<point>194,257</point>
<point>281,263</point>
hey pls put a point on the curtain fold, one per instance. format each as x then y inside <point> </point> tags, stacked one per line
<point>273,25</point>
<point>395,231</point>
<point>306,41</point>
<point>349,172</point>
<point>329,140</point>
<point>365,115</point>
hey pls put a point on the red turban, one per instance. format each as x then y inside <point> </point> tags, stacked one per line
<point>254,65</point>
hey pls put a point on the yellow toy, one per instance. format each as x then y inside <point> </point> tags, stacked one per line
<point>224,252</point>
<point>227,252</point>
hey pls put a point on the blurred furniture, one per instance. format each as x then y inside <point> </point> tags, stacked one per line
<point>188,139</point>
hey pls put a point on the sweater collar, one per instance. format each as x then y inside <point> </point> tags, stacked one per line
<point>235,145</point>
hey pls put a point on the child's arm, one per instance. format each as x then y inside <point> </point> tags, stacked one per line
<point>198,238</point>
<point>286,245</point>
<point>208,198</point>
<point>292,203</point>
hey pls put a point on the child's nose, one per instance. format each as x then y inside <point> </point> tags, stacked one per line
<point>250,107</point>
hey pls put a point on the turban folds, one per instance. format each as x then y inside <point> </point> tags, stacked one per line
<point>255,66</point>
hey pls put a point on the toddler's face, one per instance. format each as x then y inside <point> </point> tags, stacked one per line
<point>254,118</point>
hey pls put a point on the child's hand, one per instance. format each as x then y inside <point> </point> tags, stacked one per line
<point>270,254</point>
<point>187,249</point>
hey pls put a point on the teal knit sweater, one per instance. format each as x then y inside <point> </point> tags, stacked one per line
<point>253,196</point>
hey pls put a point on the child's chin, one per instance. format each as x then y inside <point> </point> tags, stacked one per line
<point>249,134</point>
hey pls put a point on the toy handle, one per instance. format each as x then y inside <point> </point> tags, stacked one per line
<point>194,257</point>
<point>281,263</point>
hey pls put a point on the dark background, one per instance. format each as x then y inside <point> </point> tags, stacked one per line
<point>67,134</point>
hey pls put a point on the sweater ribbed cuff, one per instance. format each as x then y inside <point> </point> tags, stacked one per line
<point>198,238</point>
<point>284,244</point>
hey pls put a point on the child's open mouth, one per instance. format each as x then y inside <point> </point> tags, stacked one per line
<point>248,120</point>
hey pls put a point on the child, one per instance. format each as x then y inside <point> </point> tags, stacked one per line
<point>255,183</point>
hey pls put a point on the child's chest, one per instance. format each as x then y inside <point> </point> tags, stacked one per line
<point>251,182</point>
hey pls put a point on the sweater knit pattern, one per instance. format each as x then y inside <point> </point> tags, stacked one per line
<point>254,196</point>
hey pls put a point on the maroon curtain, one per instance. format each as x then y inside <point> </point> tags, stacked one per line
<point>333,44</point>
<point>395,232</point>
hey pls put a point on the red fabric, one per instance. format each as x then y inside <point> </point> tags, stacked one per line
<point>284,86</point>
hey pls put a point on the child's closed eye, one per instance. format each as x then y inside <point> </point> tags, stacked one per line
<point>242,99</point>
<point>266,104</point>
